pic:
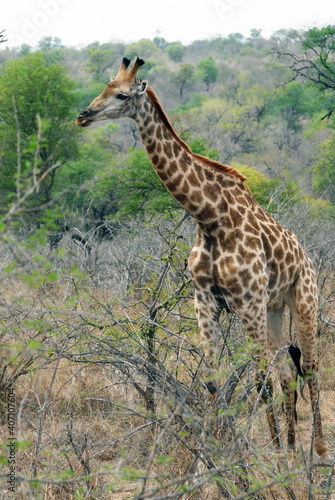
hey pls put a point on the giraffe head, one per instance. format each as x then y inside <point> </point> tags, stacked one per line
<point>119,98</point>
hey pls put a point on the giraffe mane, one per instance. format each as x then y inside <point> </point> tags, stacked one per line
<point>203,159</point>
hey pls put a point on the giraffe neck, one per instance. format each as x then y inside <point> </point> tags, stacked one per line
<point>196,182</point>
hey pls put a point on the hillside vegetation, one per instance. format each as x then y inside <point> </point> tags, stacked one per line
<point>101,362</point>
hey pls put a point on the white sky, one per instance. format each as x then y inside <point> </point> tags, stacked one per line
<point>79,22</point>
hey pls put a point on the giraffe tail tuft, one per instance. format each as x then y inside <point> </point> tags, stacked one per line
<point>295,353</point>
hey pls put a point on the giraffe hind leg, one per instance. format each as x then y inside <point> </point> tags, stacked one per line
<point>266,388</point>
<point>303,308</point>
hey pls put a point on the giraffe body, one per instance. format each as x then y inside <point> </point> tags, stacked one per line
<point>242,261</point>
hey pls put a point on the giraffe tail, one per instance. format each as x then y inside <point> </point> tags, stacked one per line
<point>295,354</point>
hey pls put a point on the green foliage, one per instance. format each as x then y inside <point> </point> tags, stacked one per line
<point>110,187</point>
<point>316,61</point>
<point>321,41</point>
<point>89,92</point>
<point>135,187</point>
<point>80,175</point>
<point>77,176</point>
<point>32,88</point>
<point>160,42</point>
<point>100,58</point>
<point>127,188</point>
<point>293,102</point>
<point>324,169</point>
<point>184,78</point>
<point>262,187</point>
<point>200,146</point>
<point>259,185</point>
<point>207,71</point>
<point>144,48</point>
<point>255,34</point>
<point>36,88</point>
<point>244,122</point>
<point>175,51</point>
<point>48,43</point>
<point>24,50</point>
<point>194,101</point>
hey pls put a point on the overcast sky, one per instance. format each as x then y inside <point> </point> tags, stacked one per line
<point>79,22</point>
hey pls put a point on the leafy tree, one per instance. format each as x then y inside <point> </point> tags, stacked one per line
<point>175,51</point>
<point>144,48</point>
<point>29,87</point>
<point>319,48</point>
<point>286,37</point>
<point>314,61</point>
<point>255,34</point>
<point>324,169</point>
<point>105,185</point>
<point>134,186</point>
<point>255,96</point>
<point>82,195</point>
<point>232,44</point>
<point>260,185</point>
<point>274,194</point>
<point>208,71</point>
<point>293,102</point>
<point>194,101</point>
<point>100,58</point>
<point>231,128</point>
<point>160,42</point>
<point>25,49</point>
<point>48,43</point>
<point>88,92</point>
<point>184,78</point>
<point>200,146</point>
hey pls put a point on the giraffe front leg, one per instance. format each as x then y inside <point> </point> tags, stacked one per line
<point>265,388</point>
<point>208,313</point>
<point>254,319</point>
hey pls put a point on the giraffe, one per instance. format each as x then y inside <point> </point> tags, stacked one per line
<point>243,261</point>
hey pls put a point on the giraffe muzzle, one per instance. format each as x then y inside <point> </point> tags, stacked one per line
<point>85,118</point>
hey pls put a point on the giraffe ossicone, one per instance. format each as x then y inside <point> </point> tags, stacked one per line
<point>242,260</point>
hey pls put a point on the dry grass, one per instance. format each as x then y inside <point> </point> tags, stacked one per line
<point>82,419</point>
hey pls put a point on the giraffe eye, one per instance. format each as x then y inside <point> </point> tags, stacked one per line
<point>123,97</point>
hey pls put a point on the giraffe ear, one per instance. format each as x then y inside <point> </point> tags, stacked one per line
<point>142,87</point>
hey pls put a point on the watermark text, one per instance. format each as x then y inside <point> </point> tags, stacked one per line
<point>11,446</point>
<point>31,25</point>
